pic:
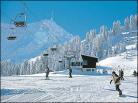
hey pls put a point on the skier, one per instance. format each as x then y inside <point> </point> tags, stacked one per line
<point>47,72</point>
<point>135,73</point>
<point>122,74</point>
<point>70,72</point>
<point>119,73</point>
<point>117,83</point>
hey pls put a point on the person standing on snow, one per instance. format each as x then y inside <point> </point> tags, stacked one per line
<point>70,73</point>
<point>117,83</point>
<point>122,74</point>
<point>47,72</point>
<point>135,73</point>
<point>119,73</point>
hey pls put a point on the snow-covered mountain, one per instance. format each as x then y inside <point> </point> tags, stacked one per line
<point>106,43</point>
<point>31,40</point>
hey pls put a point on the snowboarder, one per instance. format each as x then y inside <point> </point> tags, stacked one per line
<point>70,72</point>
<point>47,72</point>
<point>117,83</point>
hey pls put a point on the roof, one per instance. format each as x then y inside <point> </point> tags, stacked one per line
<point>84,57</point>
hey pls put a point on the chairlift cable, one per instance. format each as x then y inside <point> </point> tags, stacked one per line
<point>27,9</point>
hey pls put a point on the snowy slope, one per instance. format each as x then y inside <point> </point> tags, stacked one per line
<point>60,88</point>
<point>32,40</point>
<point>126,61</point>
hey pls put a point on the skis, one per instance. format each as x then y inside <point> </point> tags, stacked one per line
<point>47,78</point>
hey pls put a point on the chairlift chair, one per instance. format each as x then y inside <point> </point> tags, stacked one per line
<point>20,20</point>
<point>54,49</point>
<point>19,23</point>
<point>45,54</point>
<point>11,37</point>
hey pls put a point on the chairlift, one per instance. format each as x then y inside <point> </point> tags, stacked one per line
<point>11,35</point>
<point>45,54</point>
<point>54,49</point>
<point>20,20</point>
<point>59,61</point>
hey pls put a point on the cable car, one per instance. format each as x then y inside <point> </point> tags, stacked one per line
<point>20,20</point>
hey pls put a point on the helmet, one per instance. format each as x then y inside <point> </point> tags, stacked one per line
<point>113,72</point>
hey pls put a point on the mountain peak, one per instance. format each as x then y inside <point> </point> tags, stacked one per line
<point>33,40</point>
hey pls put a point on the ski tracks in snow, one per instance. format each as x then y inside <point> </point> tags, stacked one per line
<point>77,89</point>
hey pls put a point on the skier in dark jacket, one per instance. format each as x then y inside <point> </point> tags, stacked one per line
<point>70,73</point>
<point>135,73</point>
<point>122,74</point>
<point>117,83</point>
<point>47,72</point>
<point>119,73</point>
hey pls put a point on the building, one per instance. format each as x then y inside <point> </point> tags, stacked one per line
<point>87,63</point>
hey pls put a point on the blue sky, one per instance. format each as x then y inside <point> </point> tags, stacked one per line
<point>76,17</point>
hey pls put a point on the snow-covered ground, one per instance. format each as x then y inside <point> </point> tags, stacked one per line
<point>60,88</point>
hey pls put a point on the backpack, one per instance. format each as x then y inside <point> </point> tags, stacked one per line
<point>117,79</point>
